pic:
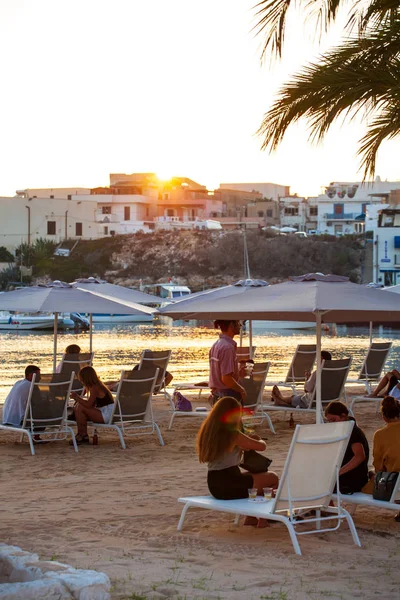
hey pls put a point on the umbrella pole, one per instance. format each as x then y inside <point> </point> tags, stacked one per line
<point>91,333</point>
<point>318,382</point>
<point>55,341</point>
<point>370,331</point>
<point>251,338</point>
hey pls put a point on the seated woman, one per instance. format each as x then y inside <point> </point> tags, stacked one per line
<point>299,400</point>
<point>97,407</point>
<point>353,474</point>
<point>386,450</point>
<point>220,443</point>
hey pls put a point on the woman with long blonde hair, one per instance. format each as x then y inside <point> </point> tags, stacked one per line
<point>220,443</point>
<point>97,407</point>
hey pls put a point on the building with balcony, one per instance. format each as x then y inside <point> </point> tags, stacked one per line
<point>342,207</point>
<point>386,246</point>
<point>293,212</point>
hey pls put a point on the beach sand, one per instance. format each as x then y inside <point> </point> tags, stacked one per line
<point>116,511</point>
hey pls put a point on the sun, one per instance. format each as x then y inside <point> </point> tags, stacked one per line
<point>165,176</point>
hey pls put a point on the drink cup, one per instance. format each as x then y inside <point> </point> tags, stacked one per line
<point>268,493</point>
<point>252,493</point>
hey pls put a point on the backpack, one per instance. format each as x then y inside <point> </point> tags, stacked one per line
<point>182,403</point>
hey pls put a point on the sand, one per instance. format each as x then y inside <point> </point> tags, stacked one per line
<point>116,511</point>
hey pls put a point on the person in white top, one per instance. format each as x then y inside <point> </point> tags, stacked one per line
<point>299,400</point>
<point>15,403</point>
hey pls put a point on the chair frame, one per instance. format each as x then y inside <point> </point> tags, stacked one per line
<point>159,388</point>
<point>291,380</point>
<point>272,407</point>
<point>28,424</point>
<point>368,378</point>
<point>124,428</point>
<point>288,514</point>
<point>360,499</point>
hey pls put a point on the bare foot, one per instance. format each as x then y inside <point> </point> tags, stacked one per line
<point>251,521</point>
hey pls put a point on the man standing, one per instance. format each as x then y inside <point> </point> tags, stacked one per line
<point>224,369</point>
<point>15,403</point>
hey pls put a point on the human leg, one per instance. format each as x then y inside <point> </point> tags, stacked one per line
<point>84,414</point>
<point>278,397</point>
<point>262,480</point>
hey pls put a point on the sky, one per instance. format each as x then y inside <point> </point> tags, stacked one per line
<point>175,87</point>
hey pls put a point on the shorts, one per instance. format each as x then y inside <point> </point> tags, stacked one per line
<point>106,412</point>
<point>229,484</point>
<point>300,401</point>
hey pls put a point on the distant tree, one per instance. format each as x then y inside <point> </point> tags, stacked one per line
<point>5,255</point>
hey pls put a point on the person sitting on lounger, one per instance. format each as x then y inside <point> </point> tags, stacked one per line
<point>15,403</point>
<point>220,443</point>
<point>71,349</point>
<point>353,474</point>
<point>97,407</point>
<point>386,451</point>
<point>388,385</point>
<point>299,400</point>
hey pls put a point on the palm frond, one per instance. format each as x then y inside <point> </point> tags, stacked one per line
<point>361,75</point>
<point>386,126</point>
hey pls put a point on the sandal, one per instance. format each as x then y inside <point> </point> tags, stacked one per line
<point>80,439</point>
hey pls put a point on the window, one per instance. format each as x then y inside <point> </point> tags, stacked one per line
<point>51,228</point>
<point>106,210</point>
<point>260,213</point>
<point>358,227</point>
<point>127,213</point>
<point>69,197</point>
<point>269,212</point>
<point>170,212</point>
<point>78,229</point>
<point>338,209</point>
<point>364,208</point>
<point>105,230</point>
<point>313,211</point>
<point>291,211</point>
<point>51,196</point>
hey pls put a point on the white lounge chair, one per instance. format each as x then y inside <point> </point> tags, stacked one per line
<point>333,378</point>
<point>254,387</point>
<point>372,367</point>
<point>308,479</point>
<point>133,412</point>
<point>303,360</point>
<point>157,359</point>
<point>73,363</point>
<point>360,499</point>
<point>46,408</point>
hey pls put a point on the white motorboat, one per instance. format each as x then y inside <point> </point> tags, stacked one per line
<point>169,292</point>
<point>10,321</point>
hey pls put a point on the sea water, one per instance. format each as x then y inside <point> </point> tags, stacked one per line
<point>118,347</point>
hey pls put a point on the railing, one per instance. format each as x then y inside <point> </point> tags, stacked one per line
<point>341,217</point>
<point>105,218</point>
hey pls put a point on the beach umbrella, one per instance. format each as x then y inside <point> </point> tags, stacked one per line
<point>313,297</point>
<point>61,297</point>
<point>112,291</point>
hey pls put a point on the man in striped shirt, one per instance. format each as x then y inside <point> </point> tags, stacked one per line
<point>224,368</point>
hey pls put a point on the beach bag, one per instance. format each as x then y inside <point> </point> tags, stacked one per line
<point>254,462</point>
<point>384,485</point>
<point>182,403</point>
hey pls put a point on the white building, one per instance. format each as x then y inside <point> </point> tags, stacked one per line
<point>271,191</point>
<point>386,248</point>
<point>293,212</point>
<point>342,207</point>
<point>56,219</point>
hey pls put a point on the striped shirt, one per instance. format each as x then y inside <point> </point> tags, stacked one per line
<point>223,361</point>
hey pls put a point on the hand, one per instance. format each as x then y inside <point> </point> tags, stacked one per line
<point>74,395</point>
<point>307,374</point>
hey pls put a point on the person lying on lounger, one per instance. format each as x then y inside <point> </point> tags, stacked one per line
<point>386,450</point>
<point>388,385</point>
<point>299,400</point>
<point>220,443</point>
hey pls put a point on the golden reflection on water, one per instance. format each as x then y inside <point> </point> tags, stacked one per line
<point>119,347</point>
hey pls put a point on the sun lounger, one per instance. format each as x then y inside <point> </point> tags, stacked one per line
<point>303,360</point>
<point>372,367</point>
<point>360,499</point>
<point>73,363</point>
<point>333,379</point>
<point>243,353</point>
<point>254,387</point>
<point>308,479</point>
<point>46,410</point>
<point>157,359</point>
<point>133,413</point>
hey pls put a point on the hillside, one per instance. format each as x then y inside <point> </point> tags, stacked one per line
<point>204,259</point>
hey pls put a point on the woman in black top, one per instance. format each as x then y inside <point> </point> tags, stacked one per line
<point>353,474</point>
<point>97,407</point>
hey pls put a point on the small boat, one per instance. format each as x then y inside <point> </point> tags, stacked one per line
<point>169,292</point>
<point>10,321</point>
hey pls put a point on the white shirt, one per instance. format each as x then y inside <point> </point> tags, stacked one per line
<point>15,403</point>
<point>395,392</point>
